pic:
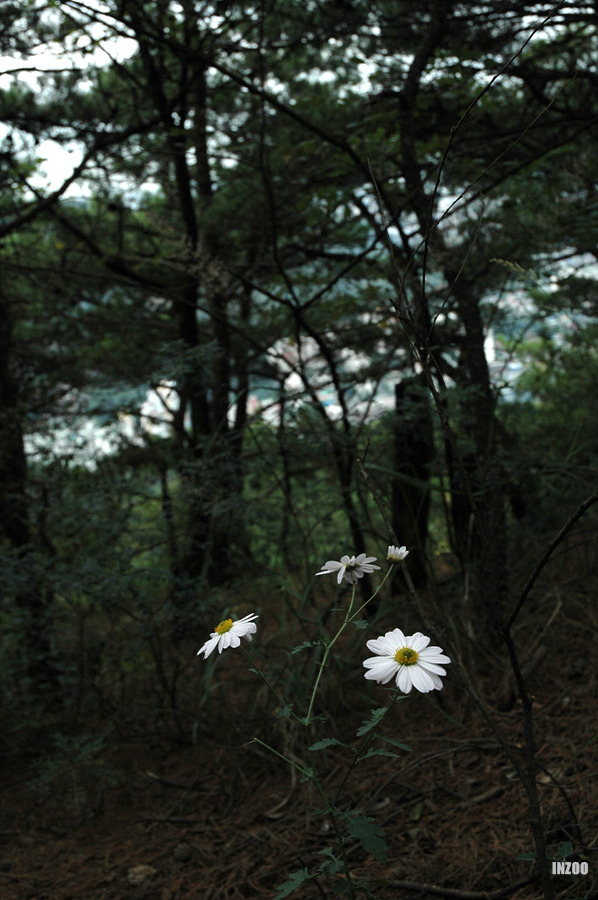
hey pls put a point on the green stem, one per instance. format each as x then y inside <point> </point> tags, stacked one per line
<point>261,675</point>
<point>330,809</point>
<point>365,745</point>
<point>305,772</point>
<point>347,621</point>
<point>369,600</point>
<point>328,648</point>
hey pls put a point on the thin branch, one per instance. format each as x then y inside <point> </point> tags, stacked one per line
<point>547,554</point>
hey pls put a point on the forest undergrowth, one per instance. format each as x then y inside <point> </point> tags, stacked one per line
<point>135,811</point>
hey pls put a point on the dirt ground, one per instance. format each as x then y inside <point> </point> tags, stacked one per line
<point>225,819</point>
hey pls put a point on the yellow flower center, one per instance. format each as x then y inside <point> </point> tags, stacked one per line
<point>224,626</point>
<point>406,656</point>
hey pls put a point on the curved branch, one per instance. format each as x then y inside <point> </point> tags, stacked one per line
<point>547,554</point>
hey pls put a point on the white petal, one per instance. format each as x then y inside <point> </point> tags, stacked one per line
<point>393,641</point>
<point>330,566</point>
<point>430,667</point>
<point>421,680</point>
<point>397,554</point>
<point>242,627</point>
<point>381,669</point>
<point>209,646</point>
<point>418,641</point>
<point>404,682</point>
<point>388,644</point>
<point>437,682</point>
<point>433,654</point>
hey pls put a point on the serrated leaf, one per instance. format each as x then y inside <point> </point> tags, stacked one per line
<point>305,645</point>
<point>360,623</point>
<point>368,834</point>
<point>565,849</point>
<point>377,716</point>
<point>326,742</point>
<point>396,743</point>
<point>283,713</point>
<point>296,880</point>
<point>380,752</point>
<point>332,866</point>
<point>319,718</point>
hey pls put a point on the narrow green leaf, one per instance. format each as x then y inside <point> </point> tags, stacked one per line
<point>380,752</point>
<point>305,645</point>
<point>396,743</point>
<point>327,742</point>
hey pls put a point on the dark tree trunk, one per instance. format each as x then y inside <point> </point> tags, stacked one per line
<point>478,520</point>
<point>211,469</point>
<point>481,462</point>
<point>412,460</point>
<point>14,517</point>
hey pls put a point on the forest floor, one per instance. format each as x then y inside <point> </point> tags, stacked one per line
<point>225,819</point>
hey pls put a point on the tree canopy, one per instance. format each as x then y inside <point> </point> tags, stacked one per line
<point>291,232</point>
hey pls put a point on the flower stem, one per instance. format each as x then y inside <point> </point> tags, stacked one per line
<point>349,617</point>
<point>363,605</point>
<point>328,648</point>
<point>283,703</point>
<point>305,772</point>
<point>365,745</point>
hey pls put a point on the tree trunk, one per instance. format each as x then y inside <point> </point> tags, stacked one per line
<point>14,517</point>
<point>472,461</point>
<point>413,455</point>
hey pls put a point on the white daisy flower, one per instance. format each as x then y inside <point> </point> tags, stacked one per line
<point>350,567</point>
<point>407,659</point>
<point>397,554</point>
<point>229,634</point>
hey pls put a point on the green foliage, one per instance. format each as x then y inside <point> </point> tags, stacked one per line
<point>76,770</point>
<point>369,835</point>
<point>279,214</point>
<point>295,880</point>
<point>326,742</point>
<point>250,227</point>
<point>374,721</point>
